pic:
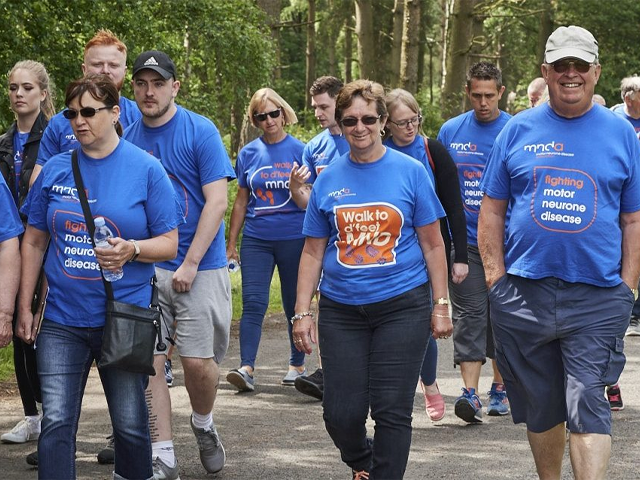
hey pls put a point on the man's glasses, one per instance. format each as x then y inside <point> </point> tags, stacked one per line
<point>86,112</point>
<point>261,117</point>
<point>353,121</point>
<point>404,123</point>
<point>563,66</point>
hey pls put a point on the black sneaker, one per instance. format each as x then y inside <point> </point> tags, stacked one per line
<point>615,398</point>
<point>107,455</point>
<point>312,385</point>
<point>32,458</point>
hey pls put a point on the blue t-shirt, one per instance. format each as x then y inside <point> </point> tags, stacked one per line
<point>58,137</point>
<point>633,121</point>
<point>19,140</point>
<point>567,181</point>
<point>469,142</point>
<point>265,170</point>
<point>369,213</point>
<point>416,149</point>
<point>11,225</point>
<point>322,150</point>
<point>191,151</point>
<point>131,190</point>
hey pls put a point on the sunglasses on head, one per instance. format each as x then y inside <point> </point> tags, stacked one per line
<point>353,121</point>
<point>86,112</point>
<point>562,66</point>
<point>261,117</point>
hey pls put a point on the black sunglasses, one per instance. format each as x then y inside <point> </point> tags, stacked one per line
<point>86,112</point>
<point>563,65</point>
<point>261,117</point>
<point>353,121</point>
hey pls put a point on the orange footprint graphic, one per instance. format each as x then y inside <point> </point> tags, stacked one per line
<point>270,195</point>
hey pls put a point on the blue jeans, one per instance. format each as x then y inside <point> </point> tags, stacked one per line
<point>259,259</point>
<point>65,355</point>
<point>430,362</point>
<point>371,358</point>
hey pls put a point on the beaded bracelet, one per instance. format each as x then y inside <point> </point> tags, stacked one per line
<point>299,316</point>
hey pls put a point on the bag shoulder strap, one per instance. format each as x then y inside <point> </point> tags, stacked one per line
<point>426,148</point>
<point>88,217</point>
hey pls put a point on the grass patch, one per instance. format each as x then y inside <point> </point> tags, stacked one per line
<point>275,306</point>
<point>275,298</point>
<point>6,363</point>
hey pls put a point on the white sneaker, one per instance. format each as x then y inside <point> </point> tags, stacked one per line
<point>26,430</point>
<point>634,327</point>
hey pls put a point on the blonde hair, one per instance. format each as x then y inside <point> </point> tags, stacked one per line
<point>265,95</point>
<point>44,82</point>
<point>397,97</point>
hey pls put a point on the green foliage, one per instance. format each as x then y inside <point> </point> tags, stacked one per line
<point>6,363</point>
<point>221,48</point>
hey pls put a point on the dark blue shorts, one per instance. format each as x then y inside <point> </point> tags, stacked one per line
<point>558,345</point>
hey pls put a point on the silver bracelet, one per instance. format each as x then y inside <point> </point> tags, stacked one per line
<point>300,316</point>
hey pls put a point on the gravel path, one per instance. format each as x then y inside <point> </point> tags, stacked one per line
<point>277,433</point>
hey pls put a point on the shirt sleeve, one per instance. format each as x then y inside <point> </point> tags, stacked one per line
<point>496,181</point>
<point>49,144</point>
<point>316,224</point>
<point>11,226</point>
<point>448,188</point>
<point>213,161</point>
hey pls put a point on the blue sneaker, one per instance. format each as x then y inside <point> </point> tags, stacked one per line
<point>498,401</point>
<point>241,379</point>
<point>168,373</point>
<point>468,407</point>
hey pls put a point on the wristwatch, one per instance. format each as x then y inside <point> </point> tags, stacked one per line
<point>136,251</point>
<point>635,293</point>
<point>441,301</point>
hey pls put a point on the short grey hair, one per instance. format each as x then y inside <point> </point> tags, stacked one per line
<point>629,86</point>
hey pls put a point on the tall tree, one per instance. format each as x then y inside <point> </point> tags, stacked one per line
<point>546,27</point>
<point>348,49</point>
<point>460,26</point>
<point>396,49</point>
<point>273,8</point>
<point>311,50</point>
<point>366,39</point>
<point>410,35</point>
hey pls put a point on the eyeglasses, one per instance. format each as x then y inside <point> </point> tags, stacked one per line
<point>405,123</point>
<point>86,112</point>
<point>563,65</point>
<point>261,117</point>
<point>353,121</point>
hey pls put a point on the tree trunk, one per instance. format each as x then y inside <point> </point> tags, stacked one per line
<point>311,51</point>
<point>366,39</point>
<point>410,35</point>
<point>396,48</point>
<point>348,49</point>
<point>460,34</point>
<point>273,9</point>
<point>422,47</point>
<point>546,28</point>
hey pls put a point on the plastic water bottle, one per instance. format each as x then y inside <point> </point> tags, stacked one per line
<point>100,236</point>
<point>234,266</point>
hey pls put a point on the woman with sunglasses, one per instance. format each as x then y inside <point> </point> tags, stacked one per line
<point>272,230</point>
<point>404,133</point>
<point>32,104</point>
<point>372,228</point>
<point>131,190</point>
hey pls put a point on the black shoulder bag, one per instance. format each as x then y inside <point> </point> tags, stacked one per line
<point>130,331</point>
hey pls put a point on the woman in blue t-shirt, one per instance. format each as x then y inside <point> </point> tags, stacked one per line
<point>129,188</point>
<point>272,229</point>
<point>372,228</point>
<point>404,133</point>
<point>32,105</point>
